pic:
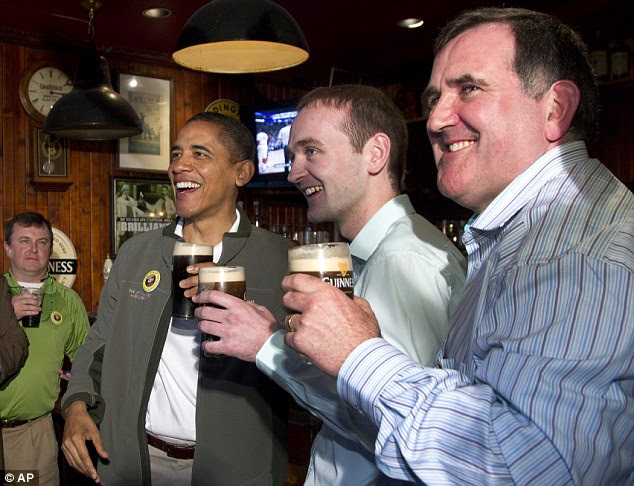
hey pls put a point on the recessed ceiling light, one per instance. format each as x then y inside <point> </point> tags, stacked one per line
<point>411,23</point>
<point>157,13</point>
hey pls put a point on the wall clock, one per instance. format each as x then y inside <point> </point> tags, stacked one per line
<point>41,85</point>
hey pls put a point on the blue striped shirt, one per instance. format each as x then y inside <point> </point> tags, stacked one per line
<point>537,378</point>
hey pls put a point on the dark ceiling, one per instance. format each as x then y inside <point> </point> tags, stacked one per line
<point>353,36</point>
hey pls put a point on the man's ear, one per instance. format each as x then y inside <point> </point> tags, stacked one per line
<point>378,148</point>
<point>7,250</point>
<point>563,102</point>
<point>246,170</point>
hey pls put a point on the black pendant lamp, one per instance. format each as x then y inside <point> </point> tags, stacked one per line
<point>92,110</point>
<point>241,36</point>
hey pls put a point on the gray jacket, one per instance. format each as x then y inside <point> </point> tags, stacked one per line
<point>240,414</point>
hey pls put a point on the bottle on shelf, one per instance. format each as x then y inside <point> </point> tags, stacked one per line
<point>285,231</point>
<point>310,236</point>
<point>107,265</point>
<point>257,221</point>
<point>619,59</point>
<point>599,58</point>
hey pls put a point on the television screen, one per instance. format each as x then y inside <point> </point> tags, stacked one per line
<point>271,127</point>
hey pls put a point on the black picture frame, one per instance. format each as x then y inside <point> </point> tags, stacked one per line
<point>51,168</point>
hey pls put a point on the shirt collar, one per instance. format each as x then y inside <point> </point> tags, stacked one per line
<point>178,231</point>
<point>375,229</point>
<point>45,283</point>
<point>525,186</point>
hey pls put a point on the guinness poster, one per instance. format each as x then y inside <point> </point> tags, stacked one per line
<point>140,205</point>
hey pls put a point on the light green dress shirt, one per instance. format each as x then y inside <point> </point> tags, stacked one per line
<point>413,277</point>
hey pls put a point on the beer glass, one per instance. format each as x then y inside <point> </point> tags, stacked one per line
<point>230,280</point>
<point>186,254</point>
<point>331,262</point>
<point>32,321</point>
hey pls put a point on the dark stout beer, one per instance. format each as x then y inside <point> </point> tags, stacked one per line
<point>230,280</point>
<point>186,254</point>
<point>32,321</point>
<point>330,262</point>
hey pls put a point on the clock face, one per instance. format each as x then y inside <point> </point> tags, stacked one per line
<point>42,90</point>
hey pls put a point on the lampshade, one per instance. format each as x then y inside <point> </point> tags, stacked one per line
<point>241,36</point>
<point>92,110</point>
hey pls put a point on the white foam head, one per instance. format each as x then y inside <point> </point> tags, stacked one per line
<point>184,248</point>
<point>221,274</point>
<point>321,257</point>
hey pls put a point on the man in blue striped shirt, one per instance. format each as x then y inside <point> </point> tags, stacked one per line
<point>535,382</point>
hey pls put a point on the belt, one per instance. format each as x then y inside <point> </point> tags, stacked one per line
<point>175,451</point>
<point>10,424</point>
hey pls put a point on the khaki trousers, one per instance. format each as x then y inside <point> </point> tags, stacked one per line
<point>167,471</point>
<point>33,447</point>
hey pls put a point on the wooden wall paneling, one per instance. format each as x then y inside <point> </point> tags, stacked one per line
<point>81,232</point>
<point>7,117</point>
<point>24,193</point>
<point>186,104</point>
<point>201,97</point>
<point>6,168</point>
<point>212,88</point>
<point>225,89</point>
<point>106,165</point>
<point>190,104</point>
<point>94,218</point>
<point>100,219</point>
<point>178,117</point>
<point>10,191</point>
<point>166,73</point>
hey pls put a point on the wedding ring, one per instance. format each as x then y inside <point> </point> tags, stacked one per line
<point>288,320</point>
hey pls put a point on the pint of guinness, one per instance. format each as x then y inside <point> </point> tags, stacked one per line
<point>32,321</point>
<point>230,280</point>
<point>331,262</point>
<point>186,254</point>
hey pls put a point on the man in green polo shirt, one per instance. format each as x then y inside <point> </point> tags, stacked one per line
<point>27,400</point>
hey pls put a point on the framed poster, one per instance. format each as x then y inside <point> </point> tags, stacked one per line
<point>151,98</point>
<point>139,205</point>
